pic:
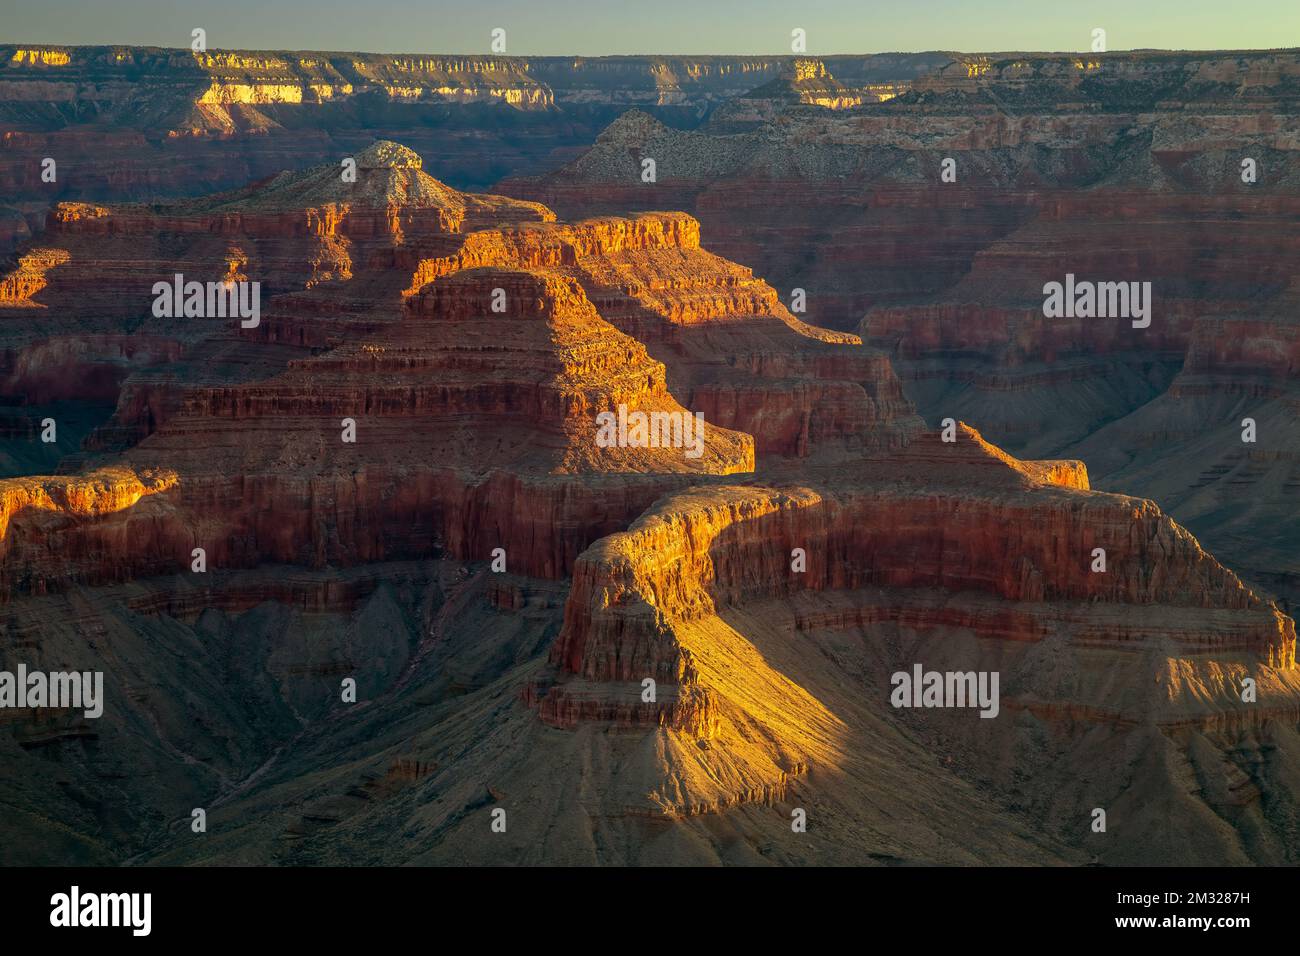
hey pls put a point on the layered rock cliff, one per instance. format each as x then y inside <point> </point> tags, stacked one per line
<point>400,473</point>
<point>127,123</point>
<point>745,609</point>
<point>931,222</point>
<point>441,380</point>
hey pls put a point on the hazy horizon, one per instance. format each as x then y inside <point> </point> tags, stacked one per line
<point>647,53</point>
<point>589,28</point>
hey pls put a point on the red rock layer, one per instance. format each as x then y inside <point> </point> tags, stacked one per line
<point>292,232</point>
<point>460,414</point>
<point>959,519</point>
<point>732,350</point>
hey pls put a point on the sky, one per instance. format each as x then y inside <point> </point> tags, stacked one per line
<point>596,27</point>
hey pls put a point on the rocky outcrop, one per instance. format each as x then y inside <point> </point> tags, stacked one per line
<point>293,232</point>
<point>447,405</point>
<point>951,553</point>
<point>708,549</point>
<point>19,286</point>
<point>731,348</point>
<point>1169,168</point>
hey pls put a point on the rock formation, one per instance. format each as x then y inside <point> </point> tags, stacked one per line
<point>416,469</point>
<point>130,123</point>
<point>1119,167</point>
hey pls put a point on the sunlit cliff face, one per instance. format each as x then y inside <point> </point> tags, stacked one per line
<point>95,495</point>
<point>232,85</point>
<point>41,57</point>
<point>20,286</point>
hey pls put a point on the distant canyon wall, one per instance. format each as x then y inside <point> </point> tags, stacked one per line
<point>135,123</point>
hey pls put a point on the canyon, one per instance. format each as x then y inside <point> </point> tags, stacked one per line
<point>132,123</point>
<point>644,656</point>
<point>1128,167</point>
